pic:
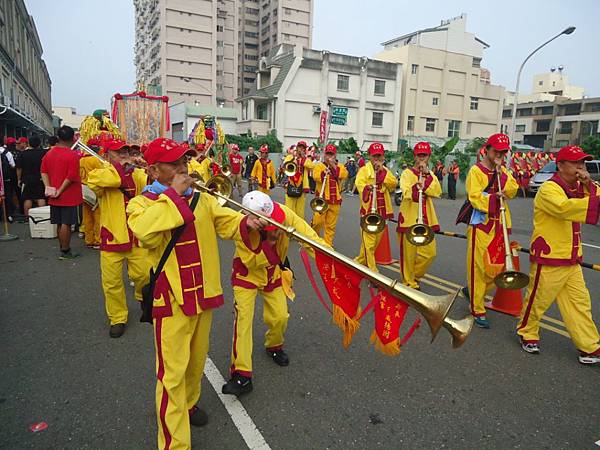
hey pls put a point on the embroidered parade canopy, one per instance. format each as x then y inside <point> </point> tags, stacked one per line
<point>141,118</point>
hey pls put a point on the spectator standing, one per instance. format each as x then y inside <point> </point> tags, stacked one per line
<point>453,173</point>
<point>29,177</point>
<point>440,171</point>
<point>9,176</point>
<point>60,174</point>
<point>251,158</point>
<point>235,162</point>
<point>352,168</point>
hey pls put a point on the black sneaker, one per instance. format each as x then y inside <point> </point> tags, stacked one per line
<point>238,385</point>
<point>117,330</point>
<point>279,356</point>
<point>198,417</point>
<point>68,255</point>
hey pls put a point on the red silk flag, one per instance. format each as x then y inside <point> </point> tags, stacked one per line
<point>495,256</point>
<point>343,286</point>
<point>389,314</point>
<point>2,182</point>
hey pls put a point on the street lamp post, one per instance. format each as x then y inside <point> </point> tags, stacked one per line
<point>516,100</point>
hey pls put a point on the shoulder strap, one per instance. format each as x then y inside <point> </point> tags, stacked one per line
<point>176,234</point>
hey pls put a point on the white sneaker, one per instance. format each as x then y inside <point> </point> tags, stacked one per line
<point>589,358</point>
<point>531,347</point>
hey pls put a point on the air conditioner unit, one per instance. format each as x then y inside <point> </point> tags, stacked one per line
<point>316,109</point>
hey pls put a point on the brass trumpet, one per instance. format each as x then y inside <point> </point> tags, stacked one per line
<point>372,222</point>
<point>318,204</point>
<point>290,168</point>
<point>510,278</point>
<point>420,234</point>
<point>434,309</point>
<point>226,170</point>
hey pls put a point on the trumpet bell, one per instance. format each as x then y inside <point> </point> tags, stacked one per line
<point>219,184</point>
<point>511,279</point>
<point>459,329</point>
<point>372,223</point>
<point>226,170</point>
<point>318,205</point>
<point>420,235</point>
<point>290,168</point>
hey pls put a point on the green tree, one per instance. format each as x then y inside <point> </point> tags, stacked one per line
<point>346,146</point>
<point>245,141</point>
<point>591,145</point>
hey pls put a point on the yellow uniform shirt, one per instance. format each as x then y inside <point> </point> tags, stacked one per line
<point>263,172</point>
<point>332,192</point>
<point>386,183</point>
<point>409,208</point>
<point>109,183</point>
<point>87,163</point>
<point>305,165</point>
<point>203,168</point>
<point>558,212</point>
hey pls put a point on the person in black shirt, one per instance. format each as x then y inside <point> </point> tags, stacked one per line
<point>28,175</point>
<point>251,158</point>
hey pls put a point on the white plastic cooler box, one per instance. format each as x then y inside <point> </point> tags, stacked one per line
<point>39,223</point>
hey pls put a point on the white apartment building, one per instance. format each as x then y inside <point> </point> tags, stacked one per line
<point>68,116</point>
<point>445,91</point>
<point>548,86</point>
<point>207,51</point>
<point>294,85</point>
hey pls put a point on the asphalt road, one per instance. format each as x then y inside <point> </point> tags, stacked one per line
<point>58,365</point>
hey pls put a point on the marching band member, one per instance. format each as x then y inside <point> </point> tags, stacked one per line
<point>188,288</point>
<point>200,163</point>
<point>299,183</point>
<point>91,219</point>
<point>414,261</point>
<point>485,229</point>
<point>235,162</point>
<point>258,267</point>
<point>374,172</point>
<point>332,173</point>
<point>264,171</point>
<point>115,184</point>
<point>561,205</point>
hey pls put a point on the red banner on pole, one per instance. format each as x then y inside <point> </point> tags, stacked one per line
<point>1,181</point>
<point>323,127</point>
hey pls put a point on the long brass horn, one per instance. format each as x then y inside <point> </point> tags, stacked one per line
<point>372,222</point>
<point>434,309</point>
<point>318,203</point>
<point>290,168</point>
<point>420,234</point>
<point>509,278</point>
<point>226,170</point>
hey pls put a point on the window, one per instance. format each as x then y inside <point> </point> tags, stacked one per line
<point>595,107</point>
<point>435,101</point>
<point>248,80</point>
<point>252,46</point>
<point>379,87</point>
<point>476,62</point>
<point>453,128</point>
<point>562,143</point>
<point>253,23</point>
<point>343,83</point>
<point>265,42</point>
<point>430,125</point>
<point>410,124</point>
<point>474,103</point>
<point>565,128</point>
<point>507,113</point>
<point>219,27</point>
<point>542,125</point>
<point>219,57</point>
<point>219,86</point>
<point>251,34</point>
<point>540,83</point>
<point>545,110</point>
<point>251,57</point>
<point>525,112</point>
<point>219,44</point>
<point>377,119</point>
<point>261,112</point>
<point>249,68</point>
<point>253,11</point>
<point>520,128</point>
<point>413,69</point>
<point>219,73</point>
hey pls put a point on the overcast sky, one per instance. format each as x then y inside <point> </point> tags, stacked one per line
<point>88,45</point>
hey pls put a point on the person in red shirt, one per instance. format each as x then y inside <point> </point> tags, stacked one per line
<point>235,161</point>
<point>60,174</point>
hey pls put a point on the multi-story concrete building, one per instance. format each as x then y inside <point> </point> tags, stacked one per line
<point>445,91</point>
<point>548,86</point>
<point>294,85</point>
<point>552,125</point>
<point>68,116</point>
<point>207,51</point>
<point>25,105</point>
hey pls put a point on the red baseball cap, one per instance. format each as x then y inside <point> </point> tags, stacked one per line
<point>499,141</point>
<point>330,148</point>
<point>572,153</point>
<point>235,147</point>
<point>23,140</point>
<point>264,148</point>
<point>302,143</point>
<point>93,142</point>
<point>422,148</point>
<point>10,140</point>
<point>376,149</point>
<point>165,150</point>
<point>200,147</point>
<point>278,215</point>
<point>115,145</point>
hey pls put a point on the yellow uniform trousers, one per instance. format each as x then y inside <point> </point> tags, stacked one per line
<point>369,243</point>
<point>296,204</point>
<point>327,220</point>
<point>265,190</point>
<point>478,281</point>
<point>91,225</point>
<point>111,265</point>
<point>275,317</point>
<point>414,260</point>
<point>181,344</point>
<point>567,286</point>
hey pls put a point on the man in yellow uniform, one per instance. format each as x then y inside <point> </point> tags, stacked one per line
<point>200,163</point>
<point>264,171</point>
<point>115,184</point>
<point>91,218</point>
<point>374,173</point>
<point>258,265</point>
<point>329,176</point>
<point>561,205</point>
<point>484,232</point>
<point>299,186</point>
<point>414,261</point>
<point>188,288</point>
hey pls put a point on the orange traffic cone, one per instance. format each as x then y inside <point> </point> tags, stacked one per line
<point>383,254</point>
<point>508,301</point>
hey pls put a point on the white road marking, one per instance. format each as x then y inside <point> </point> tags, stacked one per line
<point>590,245</point>
<point>247,428</point>
<point>597,443</point>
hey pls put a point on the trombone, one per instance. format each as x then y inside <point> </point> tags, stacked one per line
<point>372,222</point>
<point>420,234</point>
<point>318,203</point>
<point>89,151</point>
<point>434,309</point>
<point>509,278</point>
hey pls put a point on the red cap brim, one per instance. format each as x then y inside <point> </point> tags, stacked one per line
<point>174,155</point>
<point>277,215</point>
<point>578,157</point>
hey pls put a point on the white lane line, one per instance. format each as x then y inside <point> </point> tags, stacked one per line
<point>597,443</point>
<point>590,245</point>
<point>247,428</point>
